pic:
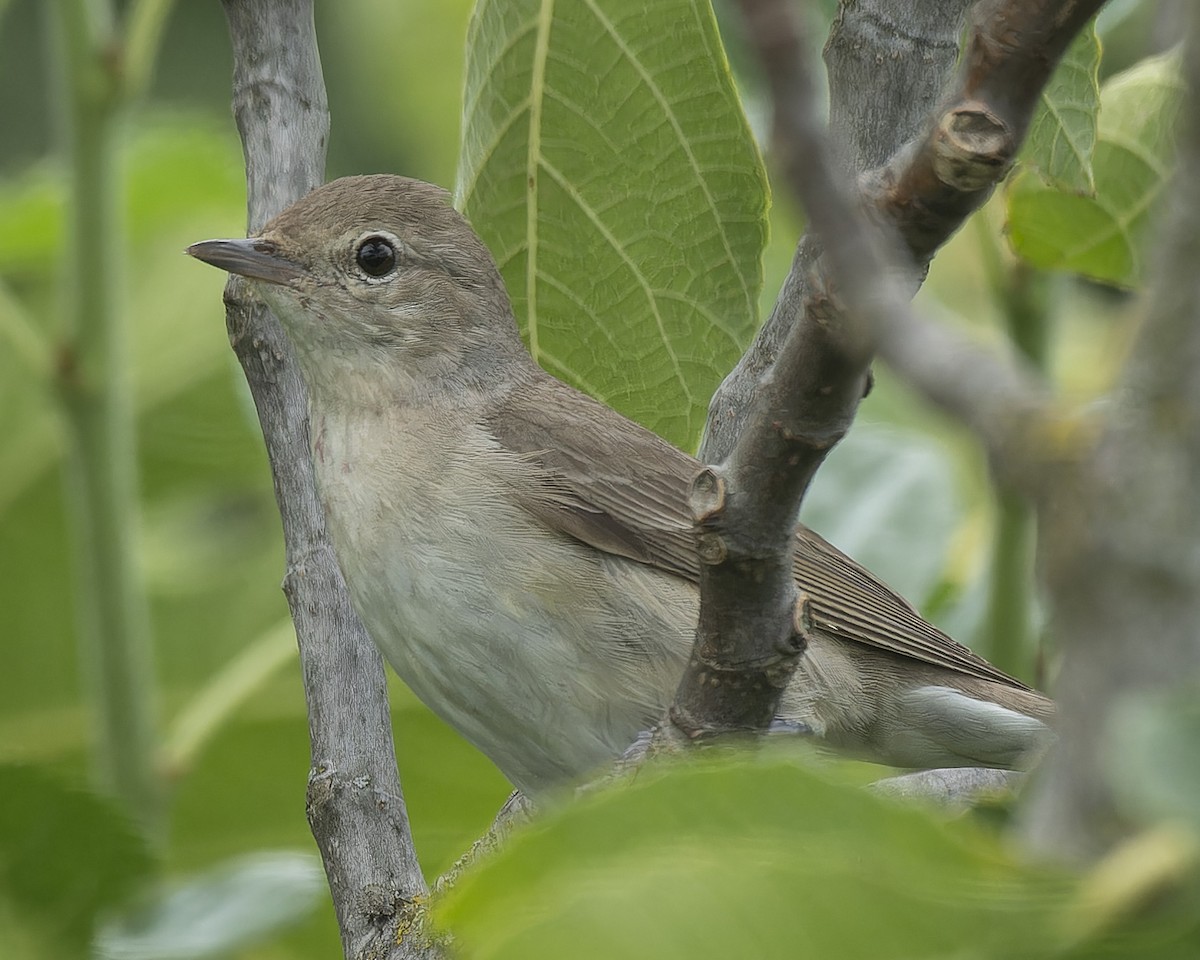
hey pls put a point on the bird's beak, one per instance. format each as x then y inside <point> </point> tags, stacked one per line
<point>255,258</point>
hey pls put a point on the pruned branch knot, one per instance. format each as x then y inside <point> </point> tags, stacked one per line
<point>708,494</point>
<point>972,148</point>
<point>712,548</point>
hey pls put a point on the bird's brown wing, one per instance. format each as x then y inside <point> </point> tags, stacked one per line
<point>620,488</point>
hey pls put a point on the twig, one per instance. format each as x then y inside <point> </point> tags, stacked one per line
<point>355,806</point>
<point>93,382</point>
<point>1007,407</point>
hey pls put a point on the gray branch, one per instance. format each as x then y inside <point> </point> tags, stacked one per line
<point>753,621</point>
<point>959,149</point>
<point>1121,534</point>
<point>887,62</point>
<point>953,789</point>
<point>1005,403</point>
<point>355,806</point>
<point>848,292</point>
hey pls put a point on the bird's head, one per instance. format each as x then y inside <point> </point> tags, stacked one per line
<point>376,270</point>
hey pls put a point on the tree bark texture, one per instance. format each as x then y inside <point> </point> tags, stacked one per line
<point>355,806</point>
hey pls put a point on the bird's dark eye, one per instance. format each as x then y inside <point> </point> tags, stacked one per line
<point>376,256</point>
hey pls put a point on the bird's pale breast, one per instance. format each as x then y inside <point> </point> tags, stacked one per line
<point>548,656</point>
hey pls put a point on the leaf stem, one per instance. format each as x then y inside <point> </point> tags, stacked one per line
<point>232,686</point>
<point>94,384</point>
<point>143,36</point>
<point>1009,637</point>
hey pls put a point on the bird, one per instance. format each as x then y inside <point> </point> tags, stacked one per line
<point>522,554</point>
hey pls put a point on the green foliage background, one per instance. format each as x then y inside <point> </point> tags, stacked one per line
<point>906,494</point>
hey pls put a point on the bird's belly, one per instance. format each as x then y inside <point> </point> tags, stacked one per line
<point>545,654</point>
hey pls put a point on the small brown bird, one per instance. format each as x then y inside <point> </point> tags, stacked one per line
<point>522,554</point>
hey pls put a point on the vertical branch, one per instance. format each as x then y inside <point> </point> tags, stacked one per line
<point>1121,529</point>
<point>355,806</point>
<point>94,383</point>
<point>1008,638</point>
<point>753,623</point>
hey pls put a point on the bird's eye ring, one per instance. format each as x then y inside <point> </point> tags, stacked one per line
<point>375,256</point>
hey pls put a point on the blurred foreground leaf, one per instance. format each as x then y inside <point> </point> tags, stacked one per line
<point>1141,902</point>
<point>751,860</point>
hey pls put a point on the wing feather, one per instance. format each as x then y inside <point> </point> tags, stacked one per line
<point>620,488</point>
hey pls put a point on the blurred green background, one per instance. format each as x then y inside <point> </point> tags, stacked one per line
<point>210,540</point>
<point>907,494</point>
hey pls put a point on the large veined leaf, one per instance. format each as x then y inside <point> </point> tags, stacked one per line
<point>1062,135</point>
<point>1103,236</point>
<point>608,165</point>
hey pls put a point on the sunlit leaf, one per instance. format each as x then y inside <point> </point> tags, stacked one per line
<point>1104,237</point>
<point>608,165</point>
<point>1062,134</point>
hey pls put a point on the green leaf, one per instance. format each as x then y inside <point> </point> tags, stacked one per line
<point>1062,135</point>
<point>608,165</point>
<point>65,855</point>
<point>758,860</point>
<point>887,497</point>
<point>1104,237</point>
<point>230,906</point>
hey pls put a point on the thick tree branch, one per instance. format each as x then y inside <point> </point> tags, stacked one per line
<point>753,620</point>
<point>355,806</point>
<point>928,189</point>
<point>887,61</point>
<point>924,192</point>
